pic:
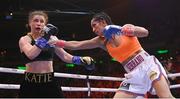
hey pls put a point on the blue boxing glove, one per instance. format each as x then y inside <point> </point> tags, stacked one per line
<point>86,61</point>
<point>48,30</point>
<point>41,42</point>
<point>109,30</point>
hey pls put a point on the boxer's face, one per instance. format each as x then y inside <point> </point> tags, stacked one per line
<point>98,26</point>
<point>37,23</point>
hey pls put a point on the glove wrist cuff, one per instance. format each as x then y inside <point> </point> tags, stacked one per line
<point>60,43</point>
<point>76,60</point>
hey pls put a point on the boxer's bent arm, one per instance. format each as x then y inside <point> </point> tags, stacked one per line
<point>85,44</point>
<point>140,31</point>
<point>30,51</point>
<point>132,30</point>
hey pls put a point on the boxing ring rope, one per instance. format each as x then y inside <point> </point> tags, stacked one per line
<point>15,86</point>
<point>174,75</point>
<point>65,75</point>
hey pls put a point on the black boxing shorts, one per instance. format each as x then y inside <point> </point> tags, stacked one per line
<point>40,85</point>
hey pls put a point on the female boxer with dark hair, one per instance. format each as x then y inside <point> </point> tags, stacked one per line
<point>144,72</point>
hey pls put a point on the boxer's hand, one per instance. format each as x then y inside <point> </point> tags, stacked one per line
<point>48,30</point>
<point>53,40</point>
<point>86,61</point>
<point>56,42</point>
<point>41,42</point>
<point>109,30</point>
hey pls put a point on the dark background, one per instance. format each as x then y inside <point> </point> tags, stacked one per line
<point>160,17</point>
<point>72,17</point>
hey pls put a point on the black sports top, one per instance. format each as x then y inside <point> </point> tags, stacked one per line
<point>45,55</point>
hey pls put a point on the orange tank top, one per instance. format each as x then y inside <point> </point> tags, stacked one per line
<point>128,46</point>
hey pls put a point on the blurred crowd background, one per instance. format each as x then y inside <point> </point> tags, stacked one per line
<point>72,17</point>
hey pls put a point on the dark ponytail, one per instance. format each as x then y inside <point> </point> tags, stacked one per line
<point>102,16</point>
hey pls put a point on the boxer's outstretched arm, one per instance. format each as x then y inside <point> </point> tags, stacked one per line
<point>77,45</point>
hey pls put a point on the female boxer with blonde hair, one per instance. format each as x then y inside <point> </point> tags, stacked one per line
<point>38,56</point>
